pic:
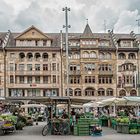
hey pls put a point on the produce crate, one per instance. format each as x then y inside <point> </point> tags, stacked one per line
<point>125,128</point>
<point>83,133</point>
<point>119,128</point>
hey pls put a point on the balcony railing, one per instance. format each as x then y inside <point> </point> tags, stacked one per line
<point>106,72</point>
<point>74,72</point>
<point>33,72</point>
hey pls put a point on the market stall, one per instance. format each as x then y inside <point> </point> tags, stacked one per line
<point>127,114</point>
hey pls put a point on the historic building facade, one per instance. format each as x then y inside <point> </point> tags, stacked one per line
<point>101,65</point>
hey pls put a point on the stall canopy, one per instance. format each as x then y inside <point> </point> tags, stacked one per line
<point>2,98</point>
<point>128,100</point>
<point>92,104</point>
<point>48,100</point>
<point>32,105</point>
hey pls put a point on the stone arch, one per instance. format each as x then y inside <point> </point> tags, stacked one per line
<point>101,92</point>
<point>122,56</point>
<point>93,54</point>
<point>122,92</point>
<point>101,55</point>
<point>131,56</point>
<point>133,92</point>
<point>89,91</point>
<point>45,56</point>
<point>85,54</point>
<point>108,56</point>
<point>109,92</point>
<point>21,56</point>
<point>70,92</point>
<point>77,92</point>
<point>29,56</point>
<point>37,56</point>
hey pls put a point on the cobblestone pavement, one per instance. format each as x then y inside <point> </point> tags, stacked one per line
<point>34,133</point>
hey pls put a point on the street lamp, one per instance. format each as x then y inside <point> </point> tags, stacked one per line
<point>66,26</point>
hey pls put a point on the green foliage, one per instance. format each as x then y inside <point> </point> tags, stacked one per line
<point>133,131</point>
<point>123,120</point>
<point>10,118</point>
<point>20,125</point>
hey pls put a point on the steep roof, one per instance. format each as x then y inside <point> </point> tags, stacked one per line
<point>87,32</point>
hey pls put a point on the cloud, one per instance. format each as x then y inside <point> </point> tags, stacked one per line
<point>6,14</point>
<point>47,15</point>
<point>126,21</point>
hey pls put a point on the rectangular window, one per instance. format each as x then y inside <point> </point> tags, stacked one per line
<point>74,80</point>
<point>45,79</point>
<point>21,79</point>
<point>12,56</point>
<point>29,67</point>
<point>58,67</point>
<point>37,79</point>
<point>21,67</point>
<point>29,79</point>
<point>11,79</point>
<point>54,79</point>
<point>58,79</point>
<point>54,55</point>
<point>45,67</point>
<point>11,67</point>
<point>37,67</point>
<point>44,42</point>
<point>89,79</point>
<point>53,66</point>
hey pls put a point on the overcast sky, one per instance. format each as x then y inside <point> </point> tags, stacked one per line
<point>47,15</point>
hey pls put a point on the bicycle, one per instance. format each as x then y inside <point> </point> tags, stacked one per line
<point>47,128</point>
<point>56,128</point>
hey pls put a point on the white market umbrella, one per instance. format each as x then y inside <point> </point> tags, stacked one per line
<point>91,104</point>
<point>2,98</point>
<point>32,105</point>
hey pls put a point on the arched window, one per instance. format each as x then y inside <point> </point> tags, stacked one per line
<point>77,92</point>
<point>70,92</point>
<point>131,56</point>
<point>133,92</point>
<point>37,56</point>
<point>108,56</point>
<point>101,56</point>
<point>89,92</point>
<point>30,56</point>
<point>85,55</point>
<point>93,55</point>
<point>122,93</point>
<point>109,92</point>
<point>76,55</point>
<point>45,56</point>
<point>122,56</point>
<point>101,92</point>
<point>21,56</point>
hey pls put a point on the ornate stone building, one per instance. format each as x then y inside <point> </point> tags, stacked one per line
<point>101,65</point>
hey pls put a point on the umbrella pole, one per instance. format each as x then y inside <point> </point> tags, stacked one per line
<point>114,107</point>
<point>138,110</point>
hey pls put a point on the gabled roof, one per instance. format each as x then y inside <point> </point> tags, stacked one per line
<point>30,28</point>
<point>87,32</point>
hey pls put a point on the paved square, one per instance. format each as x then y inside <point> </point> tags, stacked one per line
<point>34,133</point>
